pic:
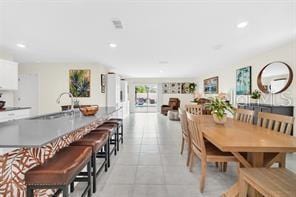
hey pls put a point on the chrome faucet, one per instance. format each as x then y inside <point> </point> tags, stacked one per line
<point>72,99</point>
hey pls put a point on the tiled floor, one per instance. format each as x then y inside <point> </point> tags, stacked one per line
<point>149,164</point>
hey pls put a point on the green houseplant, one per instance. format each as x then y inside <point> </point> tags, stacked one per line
<point>219,108</point>
<point>256,95</point>
<point>192,87</point>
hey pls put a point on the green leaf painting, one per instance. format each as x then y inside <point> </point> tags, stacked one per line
<point>244,81</point>
<point>79,83</point>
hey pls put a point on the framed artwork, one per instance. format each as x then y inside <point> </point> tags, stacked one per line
<point>103,83</point>
<point>79,83</point>
<point>244,81</point>
<point>165,88</point>
<point>174,88</point>
<point>211,85</point>
<point>185,88</point>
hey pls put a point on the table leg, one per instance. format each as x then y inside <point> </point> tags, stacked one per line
<point>257,160</point>
<point>253,160</point>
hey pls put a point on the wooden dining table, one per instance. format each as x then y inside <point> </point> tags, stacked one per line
<point>248,143</point>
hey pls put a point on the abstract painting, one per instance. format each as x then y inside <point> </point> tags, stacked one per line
<point>79,83</point>
<point>211,85</point>
<point>244,81</point>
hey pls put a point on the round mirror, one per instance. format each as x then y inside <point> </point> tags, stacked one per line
<point>275,77</point>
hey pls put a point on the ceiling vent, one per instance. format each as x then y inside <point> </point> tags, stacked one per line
<point>117,24</point>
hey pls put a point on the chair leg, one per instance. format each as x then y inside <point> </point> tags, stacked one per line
<point>115,144</point>
<point>89,183</point>
<point>65,191</point>
<point>217,164</point>
<point>122,133</point>
<point>224,166</point>
<point>188,155</point>
<point>106,156</point>
<point>30,192</point>
<point>243,187</point>
<point>282,163</point>
<point>182,145</point>
<point>191,161</point>
<point>72,187</point>
<point>108,145</point>
<point>94,172</point>
<point>117,139</point>
<point>203,176</point>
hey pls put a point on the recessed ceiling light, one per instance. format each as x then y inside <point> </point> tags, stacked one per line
<point>21,45</point>
<point>163,62</point>
<point>112,45</point>
<point>242,24</point>
<point>161,71</point>
<point>218,47</point>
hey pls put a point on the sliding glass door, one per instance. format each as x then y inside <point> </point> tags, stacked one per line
<point>146,98</point>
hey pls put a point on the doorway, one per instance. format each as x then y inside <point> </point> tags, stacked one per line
<point>146,98</point>
<point>27,93</point>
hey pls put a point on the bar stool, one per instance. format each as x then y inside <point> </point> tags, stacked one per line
<point>111,130</point>
<point>99,142</point>
<point>113,135</point>
<point>119,122</point>
<point>116,126</point>
<point>60,171</point>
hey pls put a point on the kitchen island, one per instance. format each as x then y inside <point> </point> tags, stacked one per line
<point>36,139</point>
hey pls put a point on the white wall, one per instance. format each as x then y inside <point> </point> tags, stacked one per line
<point>7,95</point>
<point>162,98</point>
<point>227,75</point>
<point>54,79</point>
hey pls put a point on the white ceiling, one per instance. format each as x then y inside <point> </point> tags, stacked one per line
<point>192,37</point>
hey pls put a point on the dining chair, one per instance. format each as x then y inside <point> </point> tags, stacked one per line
<point>204,150</point>
<point>185,133</point>
<point>278,123</point>
<point>244,115</point>
<point>194,109</point>
<point>197,109</point>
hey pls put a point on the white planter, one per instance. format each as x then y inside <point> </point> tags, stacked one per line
<point>220,121</point>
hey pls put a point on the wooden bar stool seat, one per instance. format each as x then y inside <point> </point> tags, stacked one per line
<point>271,182</point>
<point>98,141</point>
<point>60,171</point>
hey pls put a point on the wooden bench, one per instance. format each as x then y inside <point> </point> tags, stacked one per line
<point>270,182</point>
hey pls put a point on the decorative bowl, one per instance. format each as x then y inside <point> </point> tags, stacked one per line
<point>220,121</point>
<point>90,110</point>
<point>2,104</point>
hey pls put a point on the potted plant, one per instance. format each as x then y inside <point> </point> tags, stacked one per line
<point>218,109</point>
<point>256,96</point>
<point>192,87</point>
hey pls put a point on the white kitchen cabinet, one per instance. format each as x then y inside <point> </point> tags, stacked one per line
<point>113,90</point>
<point>14,114</point>
<point>8,75</point>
